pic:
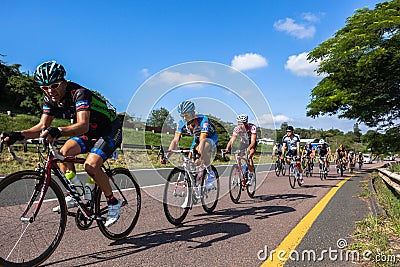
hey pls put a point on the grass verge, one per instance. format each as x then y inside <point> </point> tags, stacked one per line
<point>380,235</point>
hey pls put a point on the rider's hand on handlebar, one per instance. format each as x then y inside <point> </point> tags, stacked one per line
<point>164,160</point>
<point>51,134</point>
<point>11,138</point>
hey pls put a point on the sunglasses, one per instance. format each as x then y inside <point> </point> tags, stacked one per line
<point>51,86</point>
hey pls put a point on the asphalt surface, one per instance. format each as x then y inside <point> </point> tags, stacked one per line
<point>234,235</point>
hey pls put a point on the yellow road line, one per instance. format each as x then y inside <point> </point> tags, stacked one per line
<point>281,254</point>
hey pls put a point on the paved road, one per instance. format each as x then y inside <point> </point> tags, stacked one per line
<point>233,236</point>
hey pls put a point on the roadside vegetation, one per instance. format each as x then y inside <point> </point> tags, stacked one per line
<point>380,235</point>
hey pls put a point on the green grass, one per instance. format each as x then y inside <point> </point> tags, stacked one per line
<point>396,167</point>
<point>380,235</point>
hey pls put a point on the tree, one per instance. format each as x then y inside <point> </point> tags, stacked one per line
<point>160,118</point>
<point>361,68</point>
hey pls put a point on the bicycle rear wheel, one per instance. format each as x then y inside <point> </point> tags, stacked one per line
<point>24,243</point>
<point>251,188</point>
<point>125,188</point>
<point>177,196</point>
<point>209,197</point>
<point>292,177</point>
<point>278,166</point>
<point>235,184</point>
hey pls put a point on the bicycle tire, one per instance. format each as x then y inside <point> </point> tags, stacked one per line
<point>235,184</point>
<point>172,201</point>
<point>292,177</point>
<point>125,188</point>
<point>251,189</point>
<point>34,244</point>
<point>283,170</point>
<point>209,198</point>
<point>278,166</point>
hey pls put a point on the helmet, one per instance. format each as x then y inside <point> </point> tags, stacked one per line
<point>351,152</point>
<point>49,72</point>
<point>277,144</point>
<point>289,128</point>
<point>242,118</point>
<point>186,107</point>
<point>308,143</point>
<point>359,153</point>
<point>321,141</point>
<point>341,145</point>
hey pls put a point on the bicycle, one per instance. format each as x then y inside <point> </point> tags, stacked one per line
<point>239,176</point>
<point>323,172</point>
<point>187,183</point>
<point>341,167</point>
<point>360,163</point>
<point>280,167</point>
<point>294,174</point>
<point>308,166</point>
<point>31,230</point>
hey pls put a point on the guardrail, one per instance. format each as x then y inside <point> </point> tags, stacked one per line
<point>392,179</point>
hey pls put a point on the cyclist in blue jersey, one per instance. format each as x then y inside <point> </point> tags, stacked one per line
<point>291,144</point>
<point>205,138</point>
<point>97,130</point>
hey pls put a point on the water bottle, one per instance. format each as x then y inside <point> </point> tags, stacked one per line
<point>244,169</point>
<point>89,187</point>
<point>73,179</point>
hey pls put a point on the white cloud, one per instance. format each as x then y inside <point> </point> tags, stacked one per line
<point>177,78</point>
<point>279,119</point>
<point>300,31</point>
<point>310,17</point>
<point>267,120</point>
<point>249,61</point>
<point>145,72</point>
<point>300,66</point>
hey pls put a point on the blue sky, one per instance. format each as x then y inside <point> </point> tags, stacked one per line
<point>115,47</point>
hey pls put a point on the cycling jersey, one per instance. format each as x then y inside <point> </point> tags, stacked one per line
<point>323,150</point>
<point>245,135</point>
<point>278,150</point>
<point>308,150</point>
<point>105,129</point>
<point>291,144</point>
<point>341,153</point>
<point>78,98</point>
<point>203,125</point>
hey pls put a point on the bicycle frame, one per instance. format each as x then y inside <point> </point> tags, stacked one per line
<point>238,157</point>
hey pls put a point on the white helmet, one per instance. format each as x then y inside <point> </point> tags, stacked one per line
<point>321,141</point>
<point>242,118</point>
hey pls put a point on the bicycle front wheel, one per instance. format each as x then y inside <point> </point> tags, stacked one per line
<point>177,196</point>
<point>126,189</point>
<point>292,177</point>
<point>251,188</point>
<point>29,243</point>
<point>209,197</point>
<point>235,184</point>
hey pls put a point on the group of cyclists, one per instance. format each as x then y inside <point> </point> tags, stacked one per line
<point>291,144</point>
<point>98,130</point>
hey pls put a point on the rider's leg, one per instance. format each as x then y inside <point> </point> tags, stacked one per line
<point>250,158</point>
<point>70,148</point>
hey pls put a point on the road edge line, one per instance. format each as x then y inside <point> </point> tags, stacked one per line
<point>293,239</point>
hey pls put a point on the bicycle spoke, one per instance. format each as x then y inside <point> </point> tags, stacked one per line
<point>235,184</point>
<point>127,190</point>
<point>26,242</point>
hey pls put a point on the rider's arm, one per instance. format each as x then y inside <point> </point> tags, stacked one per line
<point>283,149</point>
<point>80,127</point>
<point>202,140</point>
<point>253,141</point>
<point>230,143</point>
<point>174,143</point>
<point>35,131</point>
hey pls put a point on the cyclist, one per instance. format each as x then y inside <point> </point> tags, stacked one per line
<point>308,153</point>
<point>291,143</point>
<point>277,150</point>
<point>340,155</point>
<point>248,137</point>
<point>360,158</point>
<point>352,159</point>
<point>205,137</point>
<point>324,151</point>
<point>97,129</point>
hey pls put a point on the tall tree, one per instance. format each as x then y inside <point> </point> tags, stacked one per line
<point>160,117</point>
<point>361,68</point>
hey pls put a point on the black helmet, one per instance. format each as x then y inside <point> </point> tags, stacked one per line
<point>49,72</point>
<point>289,128</point>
